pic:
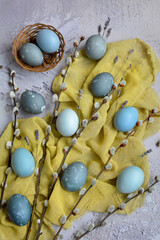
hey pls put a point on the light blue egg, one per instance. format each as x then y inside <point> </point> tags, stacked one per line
<point>74,177</point>
<point>95,47</point>
<point>130,179</point>
<point>48,41</point>
<point>125,119</point>
<point>31,54</point>
<point>32,102</point>
<point>67,122</point>
<point>19,209</point>
<point>22,162</point>
<point>102,84</point>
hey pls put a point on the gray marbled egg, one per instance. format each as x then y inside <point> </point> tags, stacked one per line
<point>32,102</point>
<point>74,177</point>
<point>19,209</point>
<point>31,54</point>
<point>95,47</point>
<point>102,84</point>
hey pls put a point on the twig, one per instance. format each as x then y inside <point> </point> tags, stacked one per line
<point>125,61</point>
<point>99,224</point>
<point>76,45</point>
<point>56,106</point>
<point>37,187</point>
<point>59,94</point>
<point>13,96</point>
<point>79,107</point>
<point>123,144</point>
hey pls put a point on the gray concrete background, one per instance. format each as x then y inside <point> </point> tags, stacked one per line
<point>129,19</point>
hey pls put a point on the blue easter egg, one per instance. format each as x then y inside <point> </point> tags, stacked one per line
<point>130,179</point>
<point>48,41</point>
<point>32,102</point>
<point>125,119</point>
<point>95,47</point>
<point>19,209</point>
<point>67,122</point>
<point>31,54</point>
<point>74,177</point>
<point>102,84</point>
<point>22,162</point>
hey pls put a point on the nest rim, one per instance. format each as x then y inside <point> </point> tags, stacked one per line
<point>28,35</point>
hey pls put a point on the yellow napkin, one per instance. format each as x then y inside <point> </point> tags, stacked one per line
<point>92,147</point>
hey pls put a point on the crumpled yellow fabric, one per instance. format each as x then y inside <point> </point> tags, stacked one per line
<point>92,147</point>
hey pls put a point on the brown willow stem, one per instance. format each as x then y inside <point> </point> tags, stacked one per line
<point>99,174</point>
<point>13,138</point>
<point>99,224</point>
<point>60,92</point>
<point>37,188</point>
<point>56,106</point>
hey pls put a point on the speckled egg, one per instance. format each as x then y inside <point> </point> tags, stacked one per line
<point>32,102</point>
<point>125,119</point>
<point>48,41</point>
<point>22,162</point>
<point>95,47</point>
<point>19,209</point>
<point>31,54</point>
<point>102,84</point>
<point>67,122</point>
<point>74,177</point>
<point>130,179</point>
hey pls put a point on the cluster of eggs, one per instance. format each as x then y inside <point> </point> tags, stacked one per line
<point>75,175</point>
<point>47,42</point>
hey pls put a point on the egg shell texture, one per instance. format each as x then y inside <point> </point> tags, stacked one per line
<point>125,119</point>
<point>31,54</point>
<point>74,177</point>
<point>67,122</point>
<point>48,41</point>
<point>130,179</point>
<point>95,47</point>
<point>22,162</point>
<point>102,84</point>
<point>19,209</point>
<point>32,102</point>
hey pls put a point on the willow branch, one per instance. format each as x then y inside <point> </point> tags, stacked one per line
<point>100,223</point>
<point>59,94</point>
<point>14,89</point>
<point>42,160</point>
<point>64,76</point>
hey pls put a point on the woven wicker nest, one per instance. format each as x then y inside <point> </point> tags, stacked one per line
<point>28,34</point>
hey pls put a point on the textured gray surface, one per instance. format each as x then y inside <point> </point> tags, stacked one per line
<point>129,19</point>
